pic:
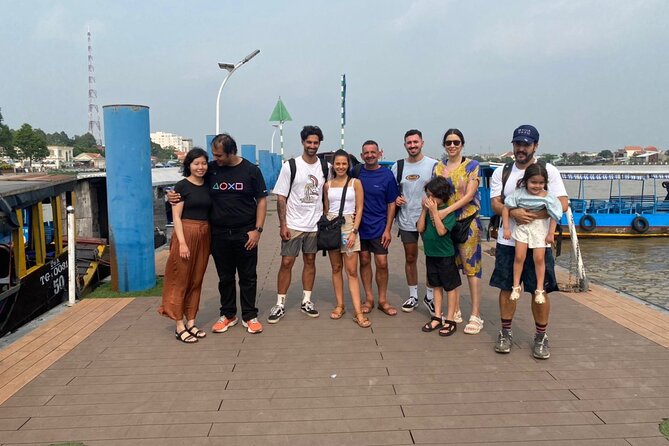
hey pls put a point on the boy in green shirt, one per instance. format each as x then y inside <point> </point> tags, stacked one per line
<point>442,273</point>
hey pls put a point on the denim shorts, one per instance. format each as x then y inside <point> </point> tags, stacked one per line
<point>502,276</point>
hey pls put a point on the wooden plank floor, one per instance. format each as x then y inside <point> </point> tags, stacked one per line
<point>311,381</point>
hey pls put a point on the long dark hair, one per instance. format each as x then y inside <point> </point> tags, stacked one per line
<point>455,132</point>
<point>340,152</point>
<point>191,156</point>
<point>531,171</point>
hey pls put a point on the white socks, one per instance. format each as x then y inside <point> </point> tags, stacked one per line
<point>413,291</point>
<point>429,292</point>
<point>281,299</point>
<point>306,296</point>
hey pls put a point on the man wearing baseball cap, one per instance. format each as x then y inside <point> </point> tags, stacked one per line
<point>502,184</point>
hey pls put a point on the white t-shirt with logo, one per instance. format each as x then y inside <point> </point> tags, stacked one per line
<point>555,185</point>
<point>414,178</point>
<point>305,203</point>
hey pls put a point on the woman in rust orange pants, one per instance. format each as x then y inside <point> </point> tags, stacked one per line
<point>189,249</point>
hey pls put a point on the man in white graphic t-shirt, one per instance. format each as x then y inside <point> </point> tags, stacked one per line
<point>416,170</point>
<point>299,200</point>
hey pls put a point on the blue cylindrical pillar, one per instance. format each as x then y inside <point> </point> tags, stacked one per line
<point>265,165</point>
<point>129,197</point>
<point>209,139</point>
<point>249,152</point>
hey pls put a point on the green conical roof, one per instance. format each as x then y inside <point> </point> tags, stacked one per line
<point>280,113</point>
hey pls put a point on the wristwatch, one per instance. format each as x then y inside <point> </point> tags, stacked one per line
<point>259,229</point>
<point>354,230</point>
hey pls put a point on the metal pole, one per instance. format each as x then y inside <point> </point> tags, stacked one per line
<point>231,69</point>
<point>281,136</point>
<point>580,268</point>
<point>272,144</point>
<point>71,258</point>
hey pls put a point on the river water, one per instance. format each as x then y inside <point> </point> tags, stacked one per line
<point>637,266</point>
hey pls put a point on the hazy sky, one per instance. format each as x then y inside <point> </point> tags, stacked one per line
<point>591,75</point>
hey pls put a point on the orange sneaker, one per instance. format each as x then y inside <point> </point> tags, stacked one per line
<point>253,326</point>
<point>223,323</point>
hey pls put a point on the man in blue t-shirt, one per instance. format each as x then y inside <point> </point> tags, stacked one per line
<point>378,213</point>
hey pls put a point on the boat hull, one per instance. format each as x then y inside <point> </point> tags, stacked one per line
<point>37,292</point>
<point>620,225</point>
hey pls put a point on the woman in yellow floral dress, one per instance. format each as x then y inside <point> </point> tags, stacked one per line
<point>463,174</point>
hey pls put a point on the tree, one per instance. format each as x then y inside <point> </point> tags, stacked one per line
<point>606,154</point>
<point>30,143</point>
<point>163,154</point>
<point>85,144</point>
<point>59,139</point>
<point>548,157</point>
<point>6,140</point>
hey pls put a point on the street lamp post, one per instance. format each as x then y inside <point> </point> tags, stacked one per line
<point>230,69</point>
<point>276,126</point>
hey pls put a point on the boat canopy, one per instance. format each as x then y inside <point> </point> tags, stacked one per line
<point>640,176</point>
<point>24,190</point>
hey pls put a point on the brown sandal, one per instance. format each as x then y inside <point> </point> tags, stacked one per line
<point>338,312</point>
<point>387,309</point>
<point>367,307</point>
<point>362,323</point>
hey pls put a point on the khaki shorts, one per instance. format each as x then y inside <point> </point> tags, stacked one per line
<point>299,241</point>
<point>345,231</point>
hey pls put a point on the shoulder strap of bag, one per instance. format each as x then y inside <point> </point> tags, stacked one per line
<point>343,197</point>
<point>293,172</point>
<point>400,169</point>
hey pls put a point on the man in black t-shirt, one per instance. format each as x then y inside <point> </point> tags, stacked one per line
<point>239,204</point>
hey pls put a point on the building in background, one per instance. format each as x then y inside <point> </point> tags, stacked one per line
<point>166,140</point>
<point>91,160</point>
<point>59,156</point>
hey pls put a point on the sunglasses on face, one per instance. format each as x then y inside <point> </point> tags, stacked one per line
<point>453,143</point>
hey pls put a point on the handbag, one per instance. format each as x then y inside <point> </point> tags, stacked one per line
<point>460,231</point>
<point>329,231</point>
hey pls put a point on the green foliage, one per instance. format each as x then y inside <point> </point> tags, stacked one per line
<point>664,427</point>
<point>85,144</point>
<point>31,144</point>
<point>59,139</point>
<point>160,153</point>
<point>104,290</point>
<point>6,140</point>
<point>548,157</point>
<point>606,154</point>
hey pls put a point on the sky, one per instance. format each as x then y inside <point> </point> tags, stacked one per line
<point>589,74</point>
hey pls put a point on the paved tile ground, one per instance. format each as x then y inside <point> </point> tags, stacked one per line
<point>311,381</point>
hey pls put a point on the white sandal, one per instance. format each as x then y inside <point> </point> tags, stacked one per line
<point>515,292</point>
<point>474,326</point>
<point>539,297</point>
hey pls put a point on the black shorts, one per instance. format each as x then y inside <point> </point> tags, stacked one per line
<point>373,245</point>
<point>502,276</point>
<point>408,236</point>
<point>442,272</point>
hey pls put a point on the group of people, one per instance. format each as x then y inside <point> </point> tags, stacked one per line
<point>426,198</point>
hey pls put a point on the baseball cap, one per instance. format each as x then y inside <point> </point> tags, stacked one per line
<point>526,133</point>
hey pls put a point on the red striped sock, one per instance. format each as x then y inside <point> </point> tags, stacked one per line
<point>506,324</point>
<point>540,328</point>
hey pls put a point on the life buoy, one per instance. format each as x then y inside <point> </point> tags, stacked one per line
<point>640,224</point>
<point>588,223</point>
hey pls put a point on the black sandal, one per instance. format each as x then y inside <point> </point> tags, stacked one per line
<point>190,339</point>
<point>428,327</point>
<point>196,332</point>
<point>449,328</point>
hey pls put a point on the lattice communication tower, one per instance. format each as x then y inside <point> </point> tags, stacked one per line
<point>93,111</point>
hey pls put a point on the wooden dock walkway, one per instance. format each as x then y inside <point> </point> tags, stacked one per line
<point>109,372</point>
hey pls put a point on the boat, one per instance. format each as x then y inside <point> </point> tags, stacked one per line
<point>33,253</point>
<point>34,248</point>
<point>643,214</point>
